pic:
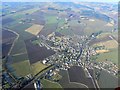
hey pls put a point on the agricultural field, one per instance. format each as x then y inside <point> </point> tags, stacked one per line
<point>16,58</point>
<point>50,84</point>
<point>19,46</point>
<point>63,35</point>
<point>105,78</point>
<point>108,44</point>
<point>65,82</point>
<point>34,29</point>
<point>37,53</point>
<point>8,38</point>
<point>37,17</point>
<point>37,67</point>
<point>95,26</point>
<point>21,68</point>
<point>112,55</point>
<point>80,78</point>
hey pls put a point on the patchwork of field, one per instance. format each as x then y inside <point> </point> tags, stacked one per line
<point>65,81</point>
<point>110,44</point>
<point>19,46</point>
<point>37,53</point>
<point>26,55</point>
<point>35,29</point>
<point>95,26</point>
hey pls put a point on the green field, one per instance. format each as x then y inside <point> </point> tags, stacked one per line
<point>107,80</point>
<point>51,19</point>
<point>22,68</point>
<point>37,67</point>
<point>50,84</point>
<point>19,57</point>
<point>19,46</point>
<point>96,26</point>
<point>111,56</point>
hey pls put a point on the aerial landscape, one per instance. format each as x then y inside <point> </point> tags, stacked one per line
<point>59,45</point>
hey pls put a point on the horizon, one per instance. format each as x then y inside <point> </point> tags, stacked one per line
<point>107,1</point>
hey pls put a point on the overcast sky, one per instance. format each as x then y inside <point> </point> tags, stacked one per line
<point>59,0</point>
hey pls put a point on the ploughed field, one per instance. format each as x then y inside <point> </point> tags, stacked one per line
<point>7,20</point>
<point>7,41</point>
<point>37,53</point>
<point>80,76</point>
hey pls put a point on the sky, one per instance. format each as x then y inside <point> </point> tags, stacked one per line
<point>59,0</point>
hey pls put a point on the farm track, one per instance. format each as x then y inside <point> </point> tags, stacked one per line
<point>14,40</point>
<point>113,39</point>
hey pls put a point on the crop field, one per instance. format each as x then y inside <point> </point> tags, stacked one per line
<point>37,67</point>
<point>21,68</point>
<point>105,78</point>
<point>19,46</point>
<point>76,27</point>
<point>5,49</point>
<point>100,38</point>
<point>7,41</point>
<point>78,77</point>
<point>112,55</point>
<point>108,44</point>
<point>7,34</point>
<point>37,53</point>
<point>37,17</point>
<point>65,82</point>
<point>34,29</point>
<point>50,26</point>
<point>48,29</point>
<point>16,58</point>
<point>95,26</point>
<point>50,84</point>
<point>102,51</point>
<point>7,20</point>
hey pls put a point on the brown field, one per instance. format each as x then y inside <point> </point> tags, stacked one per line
<point>34,29</point>
<point>108,44</point>
<point>102,51</point>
